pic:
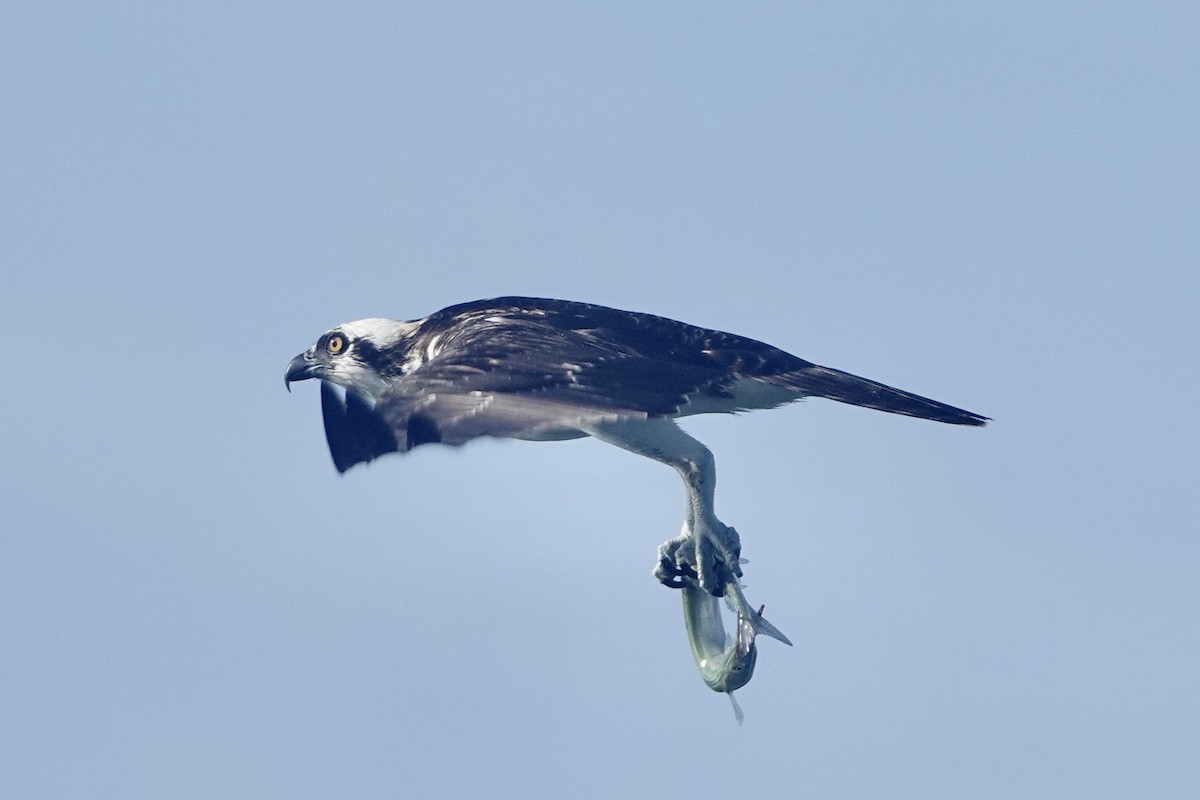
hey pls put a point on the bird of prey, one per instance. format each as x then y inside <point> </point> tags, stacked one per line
<point>539,369</point>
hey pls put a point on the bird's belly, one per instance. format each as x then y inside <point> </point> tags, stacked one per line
<point>551,435</point>
<point>747,394</point>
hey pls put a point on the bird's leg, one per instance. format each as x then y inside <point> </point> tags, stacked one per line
<point>707,547</point>
<point>708,550</point>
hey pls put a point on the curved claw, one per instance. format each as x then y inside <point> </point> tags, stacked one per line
<point>674,576</point>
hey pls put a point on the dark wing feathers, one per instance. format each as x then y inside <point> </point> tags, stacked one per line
<point>573,357</point>
<point>818,381</point>
<point>648,362</point>
<point>615,331</point>
<point>517,376</point>
<point>354,432</point>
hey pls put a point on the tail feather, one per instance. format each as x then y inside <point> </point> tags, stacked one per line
<point>818,381</point>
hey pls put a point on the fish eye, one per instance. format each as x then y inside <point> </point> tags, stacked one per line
<point>335,344</point>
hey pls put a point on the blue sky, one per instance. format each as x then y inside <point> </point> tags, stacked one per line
<point>992,206</point>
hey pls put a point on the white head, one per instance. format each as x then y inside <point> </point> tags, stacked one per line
<point>361,355</point>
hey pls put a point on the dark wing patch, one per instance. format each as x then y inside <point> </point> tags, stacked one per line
<point>648,335</point>
<point>531,371</point>
<point>677,354</point>
<point>354,432</point>
<point>506,352</point>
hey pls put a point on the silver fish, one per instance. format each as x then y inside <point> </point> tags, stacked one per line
<point>725,662</point>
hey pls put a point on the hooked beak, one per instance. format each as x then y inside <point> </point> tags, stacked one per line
<point>301,368</point>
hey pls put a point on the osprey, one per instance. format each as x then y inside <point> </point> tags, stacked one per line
<point>538,369</point>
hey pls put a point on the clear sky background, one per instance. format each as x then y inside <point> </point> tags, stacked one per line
<point>995,205</point>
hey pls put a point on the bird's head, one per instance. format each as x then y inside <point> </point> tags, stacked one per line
<point>359,355</point>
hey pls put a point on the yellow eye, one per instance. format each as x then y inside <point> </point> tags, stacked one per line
<point>335,344</point>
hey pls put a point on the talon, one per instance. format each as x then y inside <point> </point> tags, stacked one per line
<point>673,569</point>
<point>708,555</point>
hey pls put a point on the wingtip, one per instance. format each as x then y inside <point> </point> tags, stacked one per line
<point>977,419</point>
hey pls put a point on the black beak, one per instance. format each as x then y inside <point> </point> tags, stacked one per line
<point>300,368</point>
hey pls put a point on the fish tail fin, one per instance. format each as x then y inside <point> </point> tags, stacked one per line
<point>760,625</point>
<point>750,623</point>
<point>737,710</point>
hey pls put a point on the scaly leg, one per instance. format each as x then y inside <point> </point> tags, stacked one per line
<point>706,546</point>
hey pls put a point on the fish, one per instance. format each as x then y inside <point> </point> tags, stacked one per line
<point>725,662</point>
